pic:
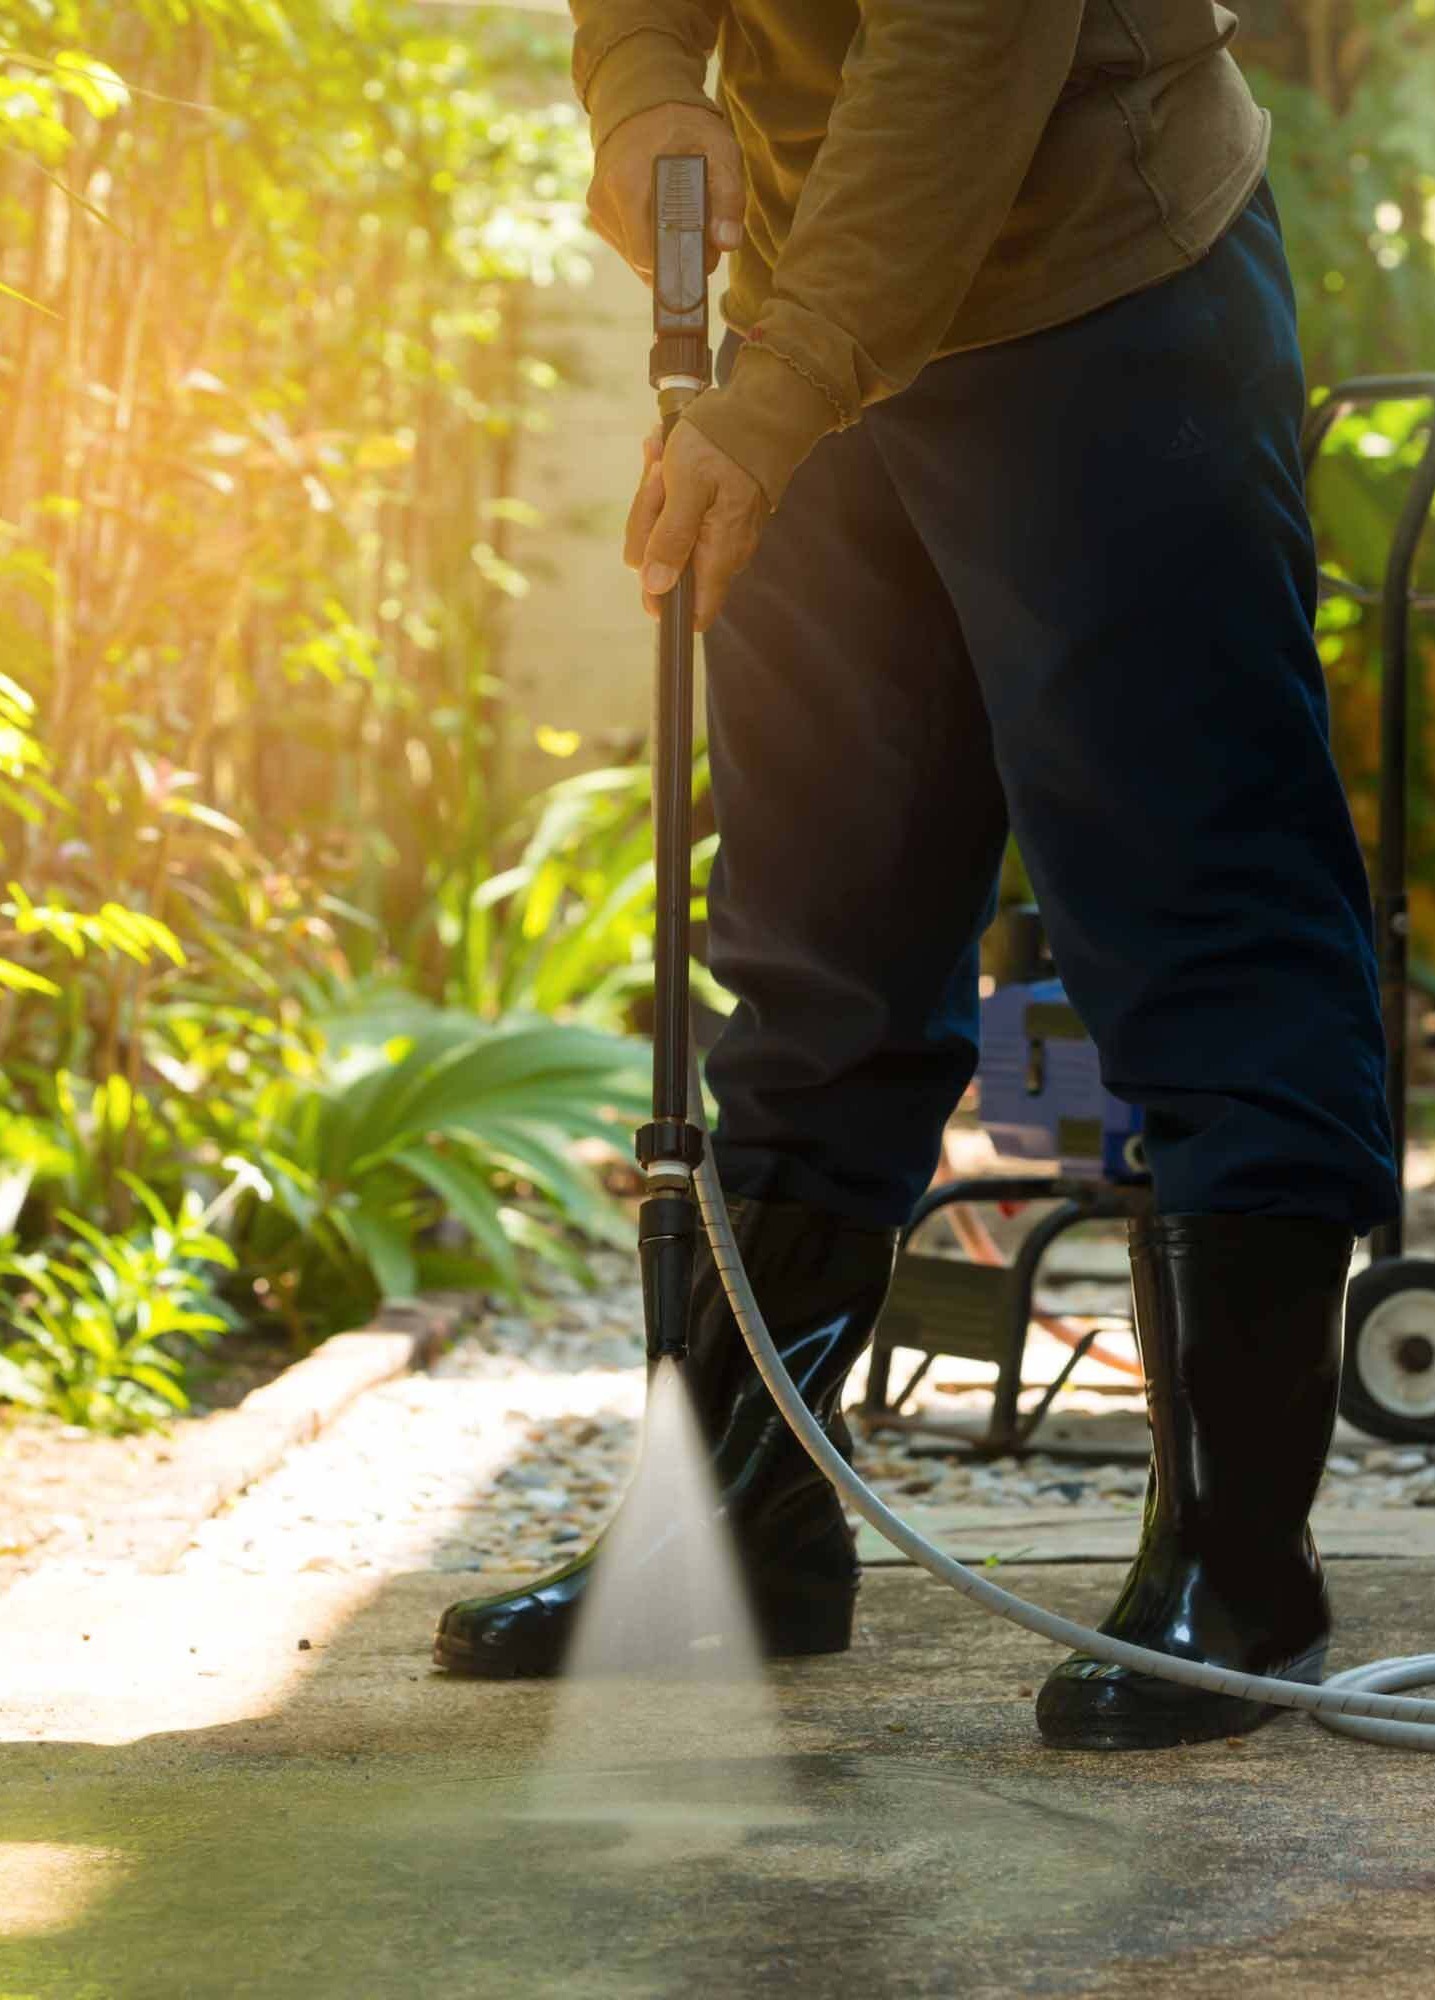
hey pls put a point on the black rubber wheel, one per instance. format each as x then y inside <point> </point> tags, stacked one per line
<point>1388,1387</point>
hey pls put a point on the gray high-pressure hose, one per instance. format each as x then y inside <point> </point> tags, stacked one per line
<point>1354,1702</point>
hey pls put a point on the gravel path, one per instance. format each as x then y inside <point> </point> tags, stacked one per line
<point>512,1453</point>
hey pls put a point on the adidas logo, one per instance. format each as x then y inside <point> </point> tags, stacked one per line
<point>1189,440</point>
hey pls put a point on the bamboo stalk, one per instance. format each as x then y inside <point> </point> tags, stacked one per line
<point>1320,48</point>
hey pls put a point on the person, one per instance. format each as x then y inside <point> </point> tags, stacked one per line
<point>997,522</point>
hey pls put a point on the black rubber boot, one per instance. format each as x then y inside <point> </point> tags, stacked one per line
<point>820,1281</point>
<point>1240,1321</point>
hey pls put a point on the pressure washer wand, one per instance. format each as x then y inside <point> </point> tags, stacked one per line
<point>670,1148</point>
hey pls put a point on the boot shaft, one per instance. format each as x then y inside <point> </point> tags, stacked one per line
<point>820,1281</point>
<point>1240,1321</point>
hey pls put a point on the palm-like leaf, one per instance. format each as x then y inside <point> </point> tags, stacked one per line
<point>371,1157</point>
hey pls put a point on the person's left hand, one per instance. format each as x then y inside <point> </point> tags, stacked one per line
<point>693,501</point>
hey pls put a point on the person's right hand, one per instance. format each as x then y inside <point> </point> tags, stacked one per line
<point>620,199</point>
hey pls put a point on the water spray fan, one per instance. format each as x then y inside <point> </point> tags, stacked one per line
<point>682,1181</point>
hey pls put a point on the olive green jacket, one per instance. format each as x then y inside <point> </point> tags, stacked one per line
<point>931,175</point>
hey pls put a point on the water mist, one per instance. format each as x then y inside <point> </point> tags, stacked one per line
<point>664,1723</point>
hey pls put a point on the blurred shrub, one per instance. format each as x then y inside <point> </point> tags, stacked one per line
<point>415,1127</point>
<point>265,270</point>
<point>98,1326</point>
<point>1350,85</point>
<point>568,928</point>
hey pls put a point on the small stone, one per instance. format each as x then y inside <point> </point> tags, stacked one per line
<point>306,1645</point>
<point>1342,1466</point>
<point>1124,1483</point>
<point>530,1482</point>
<point>1395,1461</point>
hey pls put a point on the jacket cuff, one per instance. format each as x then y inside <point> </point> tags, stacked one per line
<point>640,71</point>
<point>767,417</point>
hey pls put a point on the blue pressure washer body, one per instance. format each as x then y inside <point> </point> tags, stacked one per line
<point>1042,1097</point>
<point>1044,1104</point>
<point>1040,1089</point>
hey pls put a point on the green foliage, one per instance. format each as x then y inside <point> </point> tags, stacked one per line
<point>416,1115</point>
<point>256,510</point>
<point>1352,167</point>
<point>97,1325</point>
<point>266,266</point>
<point>568,929</point>
<point>1350,88</point>
<point>1358,493</point>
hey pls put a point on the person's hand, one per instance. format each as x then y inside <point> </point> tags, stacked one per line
<point>620,198</point>
<point>693,501</point>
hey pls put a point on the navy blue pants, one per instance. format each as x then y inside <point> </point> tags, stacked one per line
<point>1065,583</point>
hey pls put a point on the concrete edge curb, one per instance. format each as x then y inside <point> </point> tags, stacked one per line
<point>216,1458</point>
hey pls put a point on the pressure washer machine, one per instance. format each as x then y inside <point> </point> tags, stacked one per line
<point>1042,1100</point>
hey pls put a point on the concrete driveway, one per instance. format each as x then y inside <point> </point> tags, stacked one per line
<point>195,1806</point>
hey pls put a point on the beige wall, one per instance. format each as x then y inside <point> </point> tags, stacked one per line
<point>581,649</point>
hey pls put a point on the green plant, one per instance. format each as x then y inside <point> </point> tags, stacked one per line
<point>1358,492</point>
<point>98,1325</point>
<point>262,545</point>
<point>427,1150</point>
<point>254,560</point>
<point>1349,84</point>
<point>267,263</point>
<point>567,930</point>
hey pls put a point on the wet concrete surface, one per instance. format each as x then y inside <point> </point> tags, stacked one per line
<point>195,1806</point>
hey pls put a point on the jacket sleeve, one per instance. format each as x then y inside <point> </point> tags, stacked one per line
<point>942,106</point>
<point>629,55</point>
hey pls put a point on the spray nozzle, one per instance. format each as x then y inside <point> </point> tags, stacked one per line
<point>667,1245</point>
